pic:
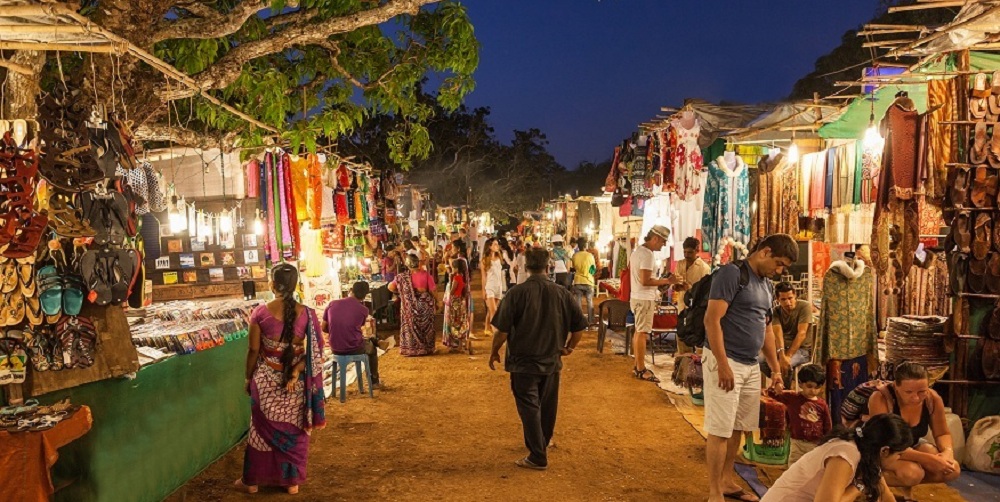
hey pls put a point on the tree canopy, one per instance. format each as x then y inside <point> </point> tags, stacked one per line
<point>311,68</point>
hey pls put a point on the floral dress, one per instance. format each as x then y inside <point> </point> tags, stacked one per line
<point>687,162</point>
<point>727,203</point>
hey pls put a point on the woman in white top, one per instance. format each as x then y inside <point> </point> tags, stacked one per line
<point>846,464</point>
<point>492,276</point>
<point>520,271</point>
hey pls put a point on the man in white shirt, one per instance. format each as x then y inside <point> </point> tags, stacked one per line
<point>642,266</point>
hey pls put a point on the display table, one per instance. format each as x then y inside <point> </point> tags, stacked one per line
<point>155,432</point>
<point>26,457</point>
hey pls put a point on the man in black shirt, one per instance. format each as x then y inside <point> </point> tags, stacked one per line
<point>540,323</point>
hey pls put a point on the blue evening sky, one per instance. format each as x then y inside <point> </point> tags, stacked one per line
<point>586,72</point>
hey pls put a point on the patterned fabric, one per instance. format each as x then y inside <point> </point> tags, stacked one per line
<point>942,103</point>
<point>687,160</point>
<point>926,290</point>
<point>846,326</point>
<point>280,420</point>
<point>457,317</point>
<point>416,331</point>
<point>788,220</point>
<point>841,378</point>
<point>727,197</point>
<point>871,166</point>
<point>900,154</point>
<point>767,190</point>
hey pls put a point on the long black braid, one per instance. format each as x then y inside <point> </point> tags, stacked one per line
<point>880,431</point>
<point>285,278</point>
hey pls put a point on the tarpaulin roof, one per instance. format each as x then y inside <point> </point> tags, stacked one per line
<point>855,118</point>
<point>717,120</point>
<point>776,123</point>
<point>976,23</point>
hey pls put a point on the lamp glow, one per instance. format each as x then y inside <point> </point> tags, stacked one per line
<point>225,223</point>
<point>793,153</point>
<point>872,140</point>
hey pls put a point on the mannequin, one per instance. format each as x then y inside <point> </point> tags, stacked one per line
<point>19,131</point>
<point>730,158</point>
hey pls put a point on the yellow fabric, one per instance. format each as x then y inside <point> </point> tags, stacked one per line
<point>583,263</point>
<point>300,187</point>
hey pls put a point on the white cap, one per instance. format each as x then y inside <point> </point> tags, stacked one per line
<point>557,238</point>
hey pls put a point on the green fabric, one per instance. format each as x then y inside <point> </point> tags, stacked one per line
<point>714,151</point>
<point>984,400</point>
<point>858,168</point>
<point>854,121</point>
<point>154,433</point>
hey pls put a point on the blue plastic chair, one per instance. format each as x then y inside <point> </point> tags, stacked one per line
<point>340,364</point>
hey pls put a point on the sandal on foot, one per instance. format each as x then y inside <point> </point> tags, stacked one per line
<point>645,374</point>
<point>238,484</point>
<point>743,495</point>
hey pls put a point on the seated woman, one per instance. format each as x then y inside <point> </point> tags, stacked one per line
<point>848,463</point>
<point>911,397</point>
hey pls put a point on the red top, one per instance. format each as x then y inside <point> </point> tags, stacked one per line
<point>457,285</point>
<point>809,419</point>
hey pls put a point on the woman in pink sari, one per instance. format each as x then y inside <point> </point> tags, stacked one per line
<point>415,288</point>
<point>285,383</point>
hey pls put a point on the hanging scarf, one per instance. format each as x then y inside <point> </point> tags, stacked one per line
<point>272,237</point>
<point>293,219</point>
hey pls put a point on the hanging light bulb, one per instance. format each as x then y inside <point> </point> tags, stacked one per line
<point>225,223</point>
<point>258,224</point>
<point>177,218</point>
<point>873,139</point>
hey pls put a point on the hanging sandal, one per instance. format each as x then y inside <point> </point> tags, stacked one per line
<point>645,374</point>
<point>981,236</point>
<point>978,150</point>
<point>984,187</point>
<point>977,276</point>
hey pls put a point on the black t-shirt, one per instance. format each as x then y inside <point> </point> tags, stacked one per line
<point>537,316</point>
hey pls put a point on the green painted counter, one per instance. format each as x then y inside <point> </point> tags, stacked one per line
<point>154,433</point>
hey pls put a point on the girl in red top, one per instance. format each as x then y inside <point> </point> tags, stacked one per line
<point>458,321</point>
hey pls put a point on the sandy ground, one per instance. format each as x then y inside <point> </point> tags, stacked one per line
<point>445,428</point>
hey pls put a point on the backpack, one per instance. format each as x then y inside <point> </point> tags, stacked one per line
<point>691,328</point>
<point>855,405</point>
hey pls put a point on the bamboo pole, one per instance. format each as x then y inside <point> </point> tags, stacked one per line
<point>944,31</point>
<point>863,33</point>
<point>23,70</point>
<point>46,10</point>
<point>926,5</point>
<point>61,47</point>
<point>911,27</point>
<point>882,43</point>
<point>44,29</point>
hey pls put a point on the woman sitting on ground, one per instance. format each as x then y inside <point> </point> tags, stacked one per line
<point>848,463</point>
<point>911,397</point>
<point>285,381</point>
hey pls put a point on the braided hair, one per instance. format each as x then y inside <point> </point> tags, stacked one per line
<point>284,280</point>
<point>880,431</point>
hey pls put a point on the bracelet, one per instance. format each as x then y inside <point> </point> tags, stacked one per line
<point>780,350</point>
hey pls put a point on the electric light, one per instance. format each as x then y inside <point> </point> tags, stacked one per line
<point>872,140</point>
<point>793,153</point>
<point>225,223</point>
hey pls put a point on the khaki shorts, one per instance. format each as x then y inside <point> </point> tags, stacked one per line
<point>643,311</point>
<point>798,448</point>
<point>736,410</point>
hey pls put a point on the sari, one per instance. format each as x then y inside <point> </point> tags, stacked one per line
<point>416,330</point>
<point>280,421</point>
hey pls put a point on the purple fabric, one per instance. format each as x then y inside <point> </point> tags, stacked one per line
<point>286,230</point>
<point>280,420</point>
<point>272,242</point>
<point>344,319</point>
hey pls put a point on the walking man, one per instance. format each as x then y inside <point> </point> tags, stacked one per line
<point>344,320</point>
<point>540,323</point>
<point>737,327</point>
<point>642,299</point>
<point>585,267</point>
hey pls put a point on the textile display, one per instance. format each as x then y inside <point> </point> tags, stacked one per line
<point>926,289</point>
<point>26,457</point>
<point>842,376</point>
<point>727,195</point>
<point>846,327</point>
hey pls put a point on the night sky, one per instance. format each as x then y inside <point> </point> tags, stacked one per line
<point>587,72</point>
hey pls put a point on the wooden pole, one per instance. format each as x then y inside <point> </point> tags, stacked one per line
<point>23,70</point>
<point>61,47</point>
<point>943,31</point>
<point>926,5</point>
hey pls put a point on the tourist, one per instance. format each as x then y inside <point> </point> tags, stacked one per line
<point>508,262</point>
<point>457,316</point>
<point>911,397</point>
<point>642,266</point>
<point>562,260</point>
<point>584,266</point>
<point>540,323</point>
<point>284,372</point>
<point>492,278</point>
<point>736,326</point>
<point>848,463</point>
<point>791,320</point>
<point>519,263</point>
<point>344,321</point>
<point>415,288</point>
<point>808,414</point>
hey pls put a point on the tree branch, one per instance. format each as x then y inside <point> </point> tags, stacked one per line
<point>227,69</point>
<point>182,136</point>
<point>208,22</point>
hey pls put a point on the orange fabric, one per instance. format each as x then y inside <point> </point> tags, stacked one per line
<point>315,194</point>
<point>300,184</point>
<point>32,454</point>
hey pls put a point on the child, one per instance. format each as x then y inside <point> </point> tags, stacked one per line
<point>458,322</point>
<point>808,414</point>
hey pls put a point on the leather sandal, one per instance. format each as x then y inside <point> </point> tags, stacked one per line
<point>977,102</point>
<point>958,271</point>
<point>994,148</point>
<point>978,150</point>
<point>958,183</point>
<point>993,282</point>
<point>977,276</point>
<point>26,241</point>
<point>981,236</point>
<point>984,187</point>
<point>961,234</point>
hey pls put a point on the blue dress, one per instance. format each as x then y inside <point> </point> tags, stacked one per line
<point>727,204</point>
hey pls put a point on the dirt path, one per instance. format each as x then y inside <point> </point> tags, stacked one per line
<point>445,428</point>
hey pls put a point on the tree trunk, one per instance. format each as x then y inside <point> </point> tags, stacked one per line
<point>21,93</point>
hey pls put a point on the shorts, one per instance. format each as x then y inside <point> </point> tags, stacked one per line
<point>494,291</point>
<point>736,410</point>
<point>643,310</point>
<point>798,448</point>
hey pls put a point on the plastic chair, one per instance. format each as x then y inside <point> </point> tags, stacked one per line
<point>612,314</point>
<point>340,363</point>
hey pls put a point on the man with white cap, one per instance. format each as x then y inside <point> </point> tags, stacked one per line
<point>561,259</point>
<point>642,266</point>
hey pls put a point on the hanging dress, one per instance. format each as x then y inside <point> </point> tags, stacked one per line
<point>687,159</point>
<point>727,202</point>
